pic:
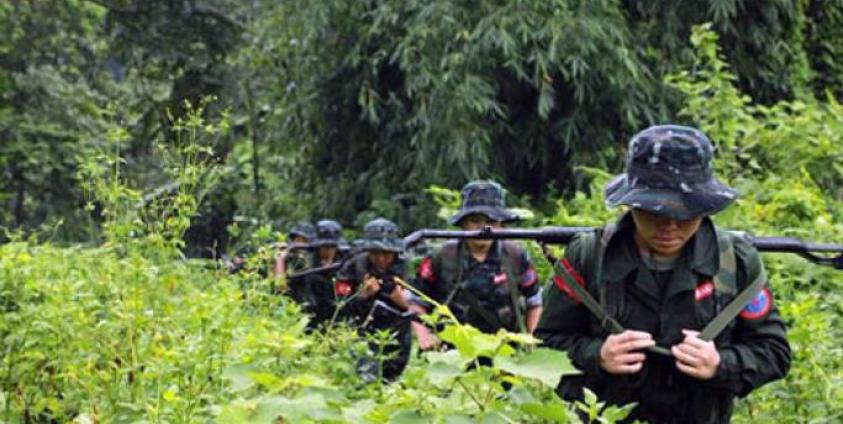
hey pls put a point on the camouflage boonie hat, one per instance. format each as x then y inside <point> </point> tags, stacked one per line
<point>483,198</point>
<point>381,234</point>
<point>668,172</point>
<point>329,233</point>
<point>302,229</point>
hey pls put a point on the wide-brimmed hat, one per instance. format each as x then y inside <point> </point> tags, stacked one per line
<point>668,172</point>
<point>483,198</point>
<point>302,229</point>
<point>381,234</point>
<point>329,233</point>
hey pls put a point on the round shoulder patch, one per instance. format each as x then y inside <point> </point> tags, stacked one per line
<point>758,306</point>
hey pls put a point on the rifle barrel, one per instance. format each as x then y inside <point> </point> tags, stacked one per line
<point>789,244</point>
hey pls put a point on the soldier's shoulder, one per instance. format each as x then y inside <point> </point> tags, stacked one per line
<point>447,249</point>
<point>746,255</point>
<point>513,246</point>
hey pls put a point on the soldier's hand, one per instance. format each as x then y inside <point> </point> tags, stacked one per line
<point>371,286</point>
<point>427,341</point>
<point>621,353</point>
<point>696,357</point>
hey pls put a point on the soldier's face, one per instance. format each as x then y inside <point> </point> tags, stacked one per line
<point>327,252</point>
<point>476,222</point>
<point>299,239</point>
<point>381,259</point>
<point>663,235</point>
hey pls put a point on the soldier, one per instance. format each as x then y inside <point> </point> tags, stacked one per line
<point>488,284</point>
<point>664,272</point>
<point>315,291</point>
<point>369,286</point>
<point>294,258</point>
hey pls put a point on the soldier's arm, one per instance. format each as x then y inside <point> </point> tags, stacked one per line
<point>532,292</point>
<point>346,291</point>
<point>427,282</point>
<point>759,351</point>
<point>564,322</point>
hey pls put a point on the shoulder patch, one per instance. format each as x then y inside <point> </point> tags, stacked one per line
<point>426,269</point>
<point>529,277</point>
<point>342,288</point>
<point>758,306</point>
<point>704,289</point>
<point>560,283</point>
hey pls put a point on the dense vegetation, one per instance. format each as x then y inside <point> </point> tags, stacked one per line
<point>351,109</point>
<point>133,133</point>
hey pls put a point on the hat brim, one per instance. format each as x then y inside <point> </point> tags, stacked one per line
<point>691,201</point>
<point>493,213</point>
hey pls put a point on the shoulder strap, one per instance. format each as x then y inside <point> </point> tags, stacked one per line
<point>511,263</point>
<point>563,270</point>
<point>726,280</point>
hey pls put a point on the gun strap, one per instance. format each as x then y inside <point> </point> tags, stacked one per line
<point>473,302</point>
<point>713,328</point>
<point>606,320</point>
<point>490,318</point>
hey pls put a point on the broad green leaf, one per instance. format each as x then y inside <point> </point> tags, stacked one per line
<point>543,364</point>
<point>408,417</point>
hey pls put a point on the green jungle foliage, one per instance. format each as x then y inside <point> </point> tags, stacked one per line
<point>350,109</point>
<point>128,330</point>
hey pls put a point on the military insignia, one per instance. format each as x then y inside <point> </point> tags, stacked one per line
<point>703,290</point>
<point>426,269</point>
<point>529,277</point>
<point>342,288</point>
<point>560,283</point>
<point>758,306</point>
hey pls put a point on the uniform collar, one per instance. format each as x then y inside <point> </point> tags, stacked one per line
<point>622,257</point>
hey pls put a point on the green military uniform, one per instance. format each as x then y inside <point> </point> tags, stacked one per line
<point>377,312</point>
<point>315,292</point>
<point>662,302</point>
<point>491,294</point>
<point>482,294</point>
<point>668,173</point>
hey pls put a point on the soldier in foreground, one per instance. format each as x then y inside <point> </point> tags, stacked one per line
<point>488,284</point>
<point>664,272</point>
<point>371,296</point>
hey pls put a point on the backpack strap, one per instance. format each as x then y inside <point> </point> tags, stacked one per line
<point>575,284</point>
<point>511,263</point>
<point>726,282</point>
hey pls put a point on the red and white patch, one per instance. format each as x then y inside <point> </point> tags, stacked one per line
<point>342,288</point>
<point>560,283</point>
<point>529,277</point>
<point>426,269</point>
<point>704,290</point>
<point>499,278</point>
<point>758,306</point>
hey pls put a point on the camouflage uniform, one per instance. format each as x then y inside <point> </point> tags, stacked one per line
<point>315,292</point>
<point>483,294</point>
<point>669,172</point>
<point>377,312</point>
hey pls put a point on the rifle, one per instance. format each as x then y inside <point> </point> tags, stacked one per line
<point>816,253</point>
<point>813,252</point>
